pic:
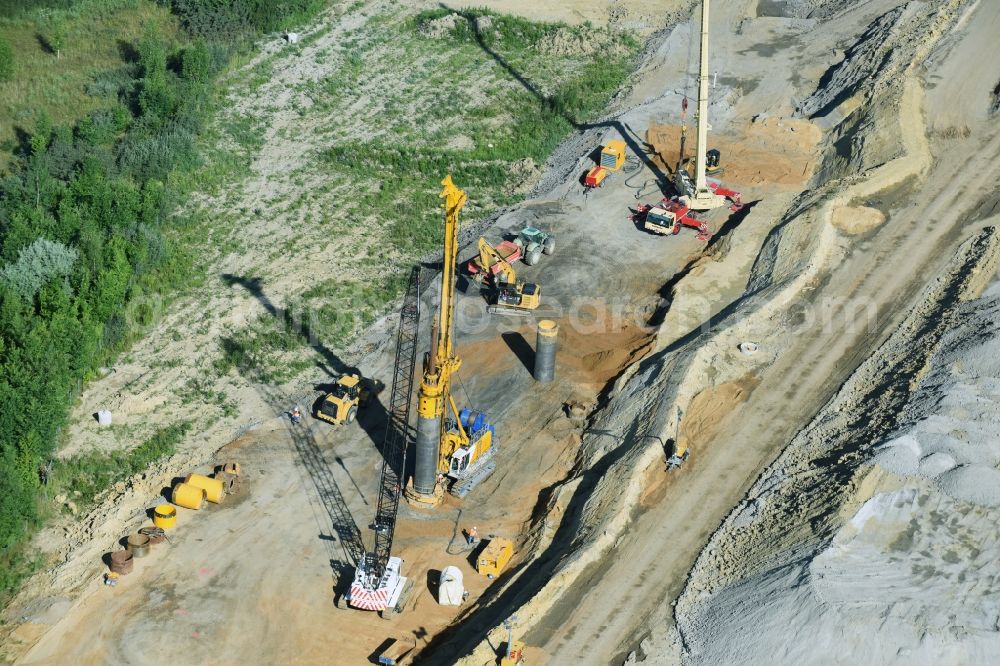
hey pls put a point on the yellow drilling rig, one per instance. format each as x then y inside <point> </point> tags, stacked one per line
<point>454,448</point>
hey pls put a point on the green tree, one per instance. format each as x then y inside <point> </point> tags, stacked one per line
<point>6,60</point>
<point>36,265</point>
<point>54,32</point>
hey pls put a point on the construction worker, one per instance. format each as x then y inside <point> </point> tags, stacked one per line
<point>296,416</point>
<point>471,535</point>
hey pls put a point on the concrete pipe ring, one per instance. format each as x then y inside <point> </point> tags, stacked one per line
<point>228,481</point>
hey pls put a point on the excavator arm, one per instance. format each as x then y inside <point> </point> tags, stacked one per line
<point>490,257</point>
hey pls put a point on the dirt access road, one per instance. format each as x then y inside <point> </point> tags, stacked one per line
<point>628,597</point>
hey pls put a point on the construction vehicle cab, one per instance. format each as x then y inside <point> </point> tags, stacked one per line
<point>515,654</point>
<point>712,165</point>
<point>341,404</point>
<point>670,215</point>
<point>517,295</point>
<point>680,454</point>
<point>533,243</point>
<point>660,221</point>
<point>459,461</point>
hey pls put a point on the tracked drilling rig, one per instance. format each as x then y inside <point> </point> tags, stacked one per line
<point>378,581</point>
<point>696,193</point>
<point>453,448</point>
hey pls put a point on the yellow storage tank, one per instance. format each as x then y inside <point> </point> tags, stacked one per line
<point>495,557</point>
<point>214,490</point>
<point>165,516</point>
<point>188,496</point>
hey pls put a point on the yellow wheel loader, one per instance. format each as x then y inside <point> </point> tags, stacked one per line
<point>341,404</point>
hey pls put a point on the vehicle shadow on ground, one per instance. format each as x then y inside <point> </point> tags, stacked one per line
<point>498,600</point>
<point>373,418</point>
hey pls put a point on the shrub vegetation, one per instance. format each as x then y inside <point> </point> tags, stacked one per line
<point>6,60</point>
<point>82,251</point>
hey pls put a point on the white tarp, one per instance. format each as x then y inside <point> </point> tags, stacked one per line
<point>450,589</point>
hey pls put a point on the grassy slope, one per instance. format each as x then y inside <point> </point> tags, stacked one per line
<point>99,37</point>
<point>380,139</point>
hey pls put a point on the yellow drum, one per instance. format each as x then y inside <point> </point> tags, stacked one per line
<point>188,496</point>
<point>214,490</point>
<point>165,516</point>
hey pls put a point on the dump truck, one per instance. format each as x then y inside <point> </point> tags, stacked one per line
<point>484,267</point>
<point>612,160</point>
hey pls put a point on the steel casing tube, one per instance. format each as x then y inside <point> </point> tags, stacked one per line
<point>426,462</point>
<point>545,350</point>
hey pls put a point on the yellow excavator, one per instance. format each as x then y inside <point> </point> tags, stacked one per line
<point>508,296</point>
<point>453,448</point>
<point>680,451</point>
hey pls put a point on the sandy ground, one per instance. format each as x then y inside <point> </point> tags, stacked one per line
<point>851,280</point>
<point>307,489</point>
<point>874,528</point>
<point>650,326</point>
